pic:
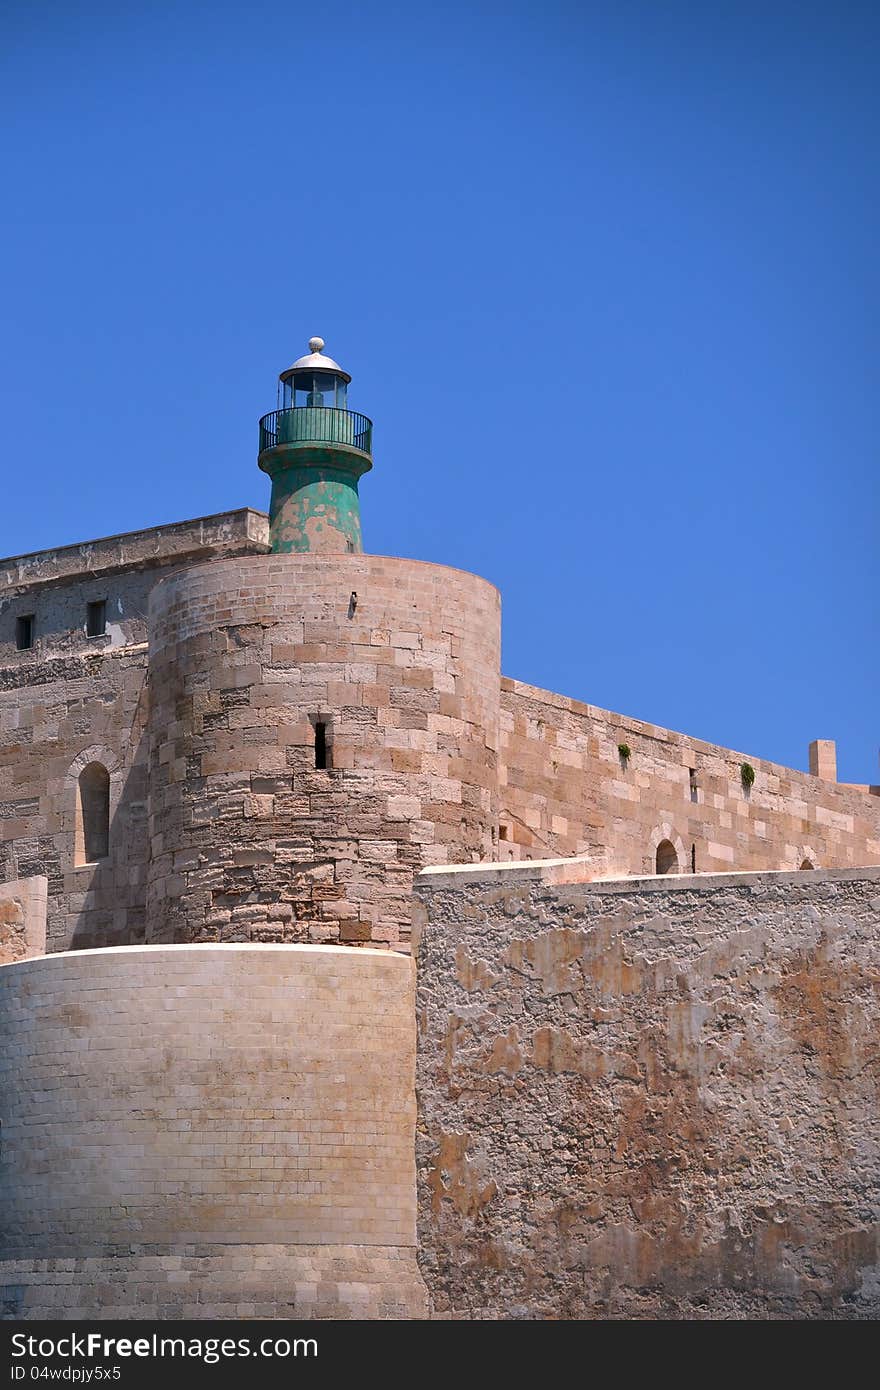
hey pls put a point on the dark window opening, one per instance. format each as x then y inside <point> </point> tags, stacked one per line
<point>322,748</point>
<point>502,832</point>
<point>692,778</point>
<point>24,632</point>
<point>96,618</point>
<point>667,860</point>
<point>93,814</point>
<point>693,859</point>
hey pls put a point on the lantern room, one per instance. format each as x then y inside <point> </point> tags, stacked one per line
<point>314,380</point>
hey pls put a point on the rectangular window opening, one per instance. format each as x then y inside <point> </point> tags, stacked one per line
<point>96,618</point>
<point>502,832</point>
<point>322,747</point>
<point>24,632</point>
<point>695,791</point>
<point>693,859</point>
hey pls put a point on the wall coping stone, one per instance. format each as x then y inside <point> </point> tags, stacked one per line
<point>153,545</point>
<point>576,871</point>
<point>207,947</point>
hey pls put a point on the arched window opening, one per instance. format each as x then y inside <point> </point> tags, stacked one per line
<point>808,864</point>
<point>93,814</point>
<point>667,859</point>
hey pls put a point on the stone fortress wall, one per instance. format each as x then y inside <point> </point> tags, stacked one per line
<point>23,919</point>
<point>565,790</point>
<point>71,700</point>
<point>398,661</point>
<point>208,1131</point>
<point>649,1098</point>
<point>221,824</point>
<point>615,1011</point>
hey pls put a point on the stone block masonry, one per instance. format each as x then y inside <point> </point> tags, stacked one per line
<point>23,919</point>
<point>202,702</point>
<point>216,1131</point>
<point>71,699</point>
<point>564,789</point>
<point>649,1098</point>
<point>255,833</point>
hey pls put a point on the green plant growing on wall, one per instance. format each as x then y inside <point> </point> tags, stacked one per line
<point>747,773</point>
<point>625,752</point>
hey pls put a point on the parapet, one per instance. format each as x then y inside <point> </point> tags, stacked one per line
<point>224,533</point>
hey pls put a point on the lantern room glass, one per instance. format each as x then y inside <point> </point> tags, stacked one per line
<point>315,389</point>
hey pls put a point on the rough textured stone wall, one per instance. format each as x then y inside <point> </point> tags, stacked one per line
<point>54,720</point>
<point>564,790</point>
<point>72,699</point>
<point>248,839</point>
<point>22,919</point>
<point>208,1131</point>
<point>654,1098</point>
<point>399,661</point>
<point>55,586</point>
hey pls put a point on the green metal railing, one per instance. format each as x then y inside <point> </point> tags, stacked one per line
<point>313,424</point>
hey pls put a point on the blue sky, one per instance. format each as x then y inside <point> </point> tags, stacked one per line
<point>605,276</point>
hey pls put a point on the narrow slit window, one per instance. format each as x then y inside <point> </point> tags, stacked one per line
<point>693,859</point>
<point>96,618</point>
<point>24,632</point>
<point>694,785</point>
<point>322,750</point>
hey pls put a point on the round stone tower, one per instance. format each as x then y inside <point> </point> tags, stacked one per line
<point>324,723</point>
<point>315,449</point>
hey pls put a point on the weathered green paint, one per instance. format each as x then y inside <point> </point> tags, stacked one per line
<point>307,425</point>
<point>315,504</point>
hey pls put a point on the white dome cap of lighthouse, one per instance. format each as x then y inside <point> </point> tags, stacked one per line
<point>315,361</point>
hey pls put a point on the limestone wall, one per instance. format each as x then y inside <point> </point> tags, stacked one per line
<point>72,699</point>
<point>55,586</point>
<point>208,1131</point>
<point>565,790</point>
<point>219,817</point>
<point>649,1098</point>
<point>22,919</point>
<point>399,661</point>
<point>55,718</point>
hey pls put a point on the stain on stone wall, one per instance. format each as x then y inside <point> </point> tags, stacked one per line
<point>643,1100</point>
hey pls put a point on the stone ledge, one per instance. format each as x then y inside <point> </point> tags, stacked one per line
<point>578,872</point>
<point>202,949</point>
<point>154,545</point>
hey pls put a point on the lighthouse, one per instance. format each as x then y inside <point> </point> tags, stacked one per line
<point>315,450</point>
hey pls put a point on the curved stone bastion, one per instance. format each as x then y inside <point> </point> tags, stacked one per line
<point>208,1131</point>
<point>321,728</point>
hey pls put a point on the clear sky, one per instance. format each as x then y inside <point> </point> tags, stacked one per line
<point>606,277</point>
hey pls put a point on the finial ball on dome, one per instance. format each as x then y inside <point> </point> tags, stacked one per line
<point>316,344</point>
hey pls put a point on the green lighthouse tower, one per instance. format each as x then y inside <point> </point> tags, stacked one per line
<point>315,449</point>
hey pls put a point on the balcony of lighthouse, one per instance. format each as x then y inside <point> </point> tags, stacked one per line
<point>316,424</point>
<point>312,408</point>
